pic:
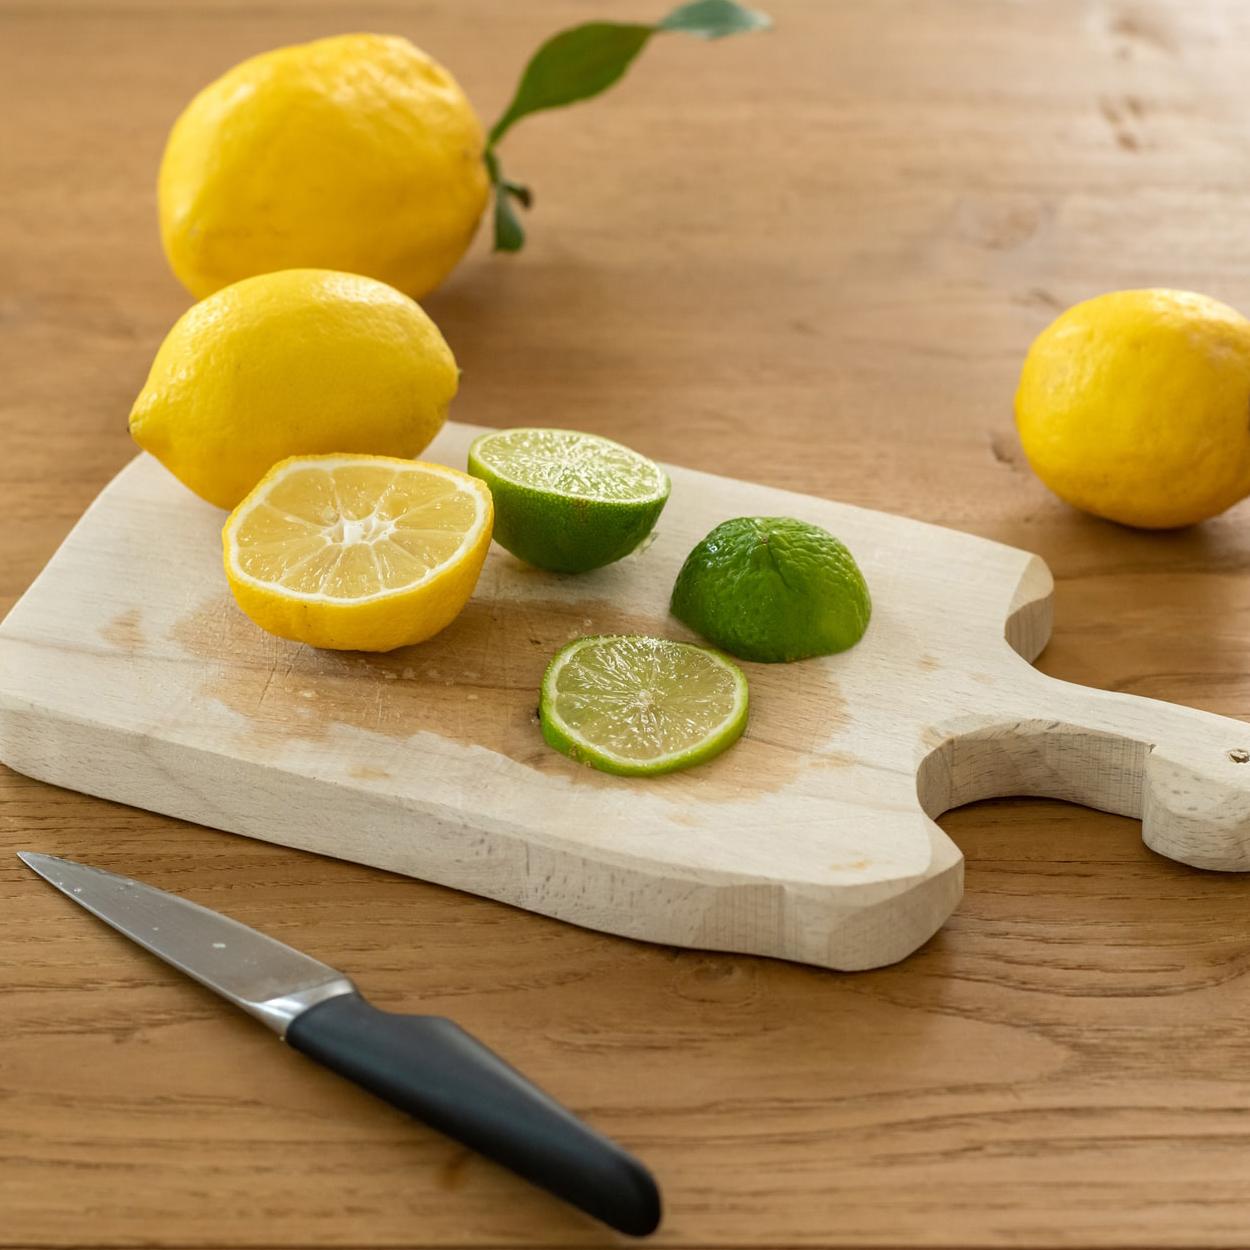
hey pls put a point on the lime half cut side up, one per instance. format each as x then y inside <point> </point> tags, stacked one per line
<point>639,706</point>
<point>566,501</point>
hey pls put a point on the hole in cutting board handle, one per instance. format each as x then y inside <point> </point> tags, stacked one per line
<point>1036,759</point>
<point>1184,782</point>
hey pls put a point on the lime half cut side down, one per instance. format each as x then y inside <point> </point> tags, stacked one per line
<point>639,706</point>
<point>772,589</point>
<point>566,501</point>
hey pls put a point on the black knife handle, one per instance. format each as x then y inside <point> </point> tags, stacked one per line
<point>431,1068</point>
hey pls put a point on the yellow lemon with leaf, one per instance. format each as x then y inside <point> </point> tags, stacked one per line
<point>1135,406</point>
<point>360,152</point>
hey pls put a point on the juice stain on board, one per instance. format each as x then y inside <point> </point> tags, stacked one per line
<point>477,683</point>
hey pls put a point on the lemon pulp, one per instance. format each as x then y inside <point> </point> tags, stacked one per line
<point>357,552</point>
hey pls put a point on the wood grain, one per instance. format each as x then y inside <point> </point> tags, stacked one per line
<point>813,259</point>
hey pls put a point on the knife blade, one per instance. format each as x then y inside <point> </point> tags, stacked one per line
<point>425,1065</point>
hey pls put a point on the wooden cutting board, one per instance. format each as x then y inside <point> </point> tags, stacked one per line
<point>127,672</point>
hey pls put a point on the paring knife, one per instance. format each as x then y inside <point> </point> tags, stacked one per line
<point>424,1065</point>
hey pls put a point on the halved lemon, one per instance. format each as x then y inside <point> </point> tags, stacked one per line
<point>357,553</point>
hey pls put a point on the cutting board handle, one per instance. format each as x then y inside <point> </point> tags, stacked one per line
<point>1184,773</point>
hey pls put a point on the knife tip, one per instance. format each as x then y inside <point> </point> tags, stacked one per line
<point>32,859</point>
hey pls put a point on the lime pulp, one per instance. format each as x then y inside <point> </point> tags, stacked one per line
<point>640,706</point>
<point>566,501</point>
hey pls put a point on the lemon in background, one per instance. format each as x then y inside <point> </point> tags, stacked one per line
<point>1135,406</point>
<point>358,152</point>
<point>300,362</point>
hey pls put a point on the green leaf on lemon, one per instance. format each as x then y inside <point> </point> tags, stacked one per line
<point>573,65</point>
<point>584,61</point>
<point>714,19</point>
<point>509,233</point>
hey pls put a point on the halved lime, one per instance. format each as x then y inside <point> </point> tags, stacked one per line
<point>638,706</point>
<point>568,501</point>
<point>772,588</point>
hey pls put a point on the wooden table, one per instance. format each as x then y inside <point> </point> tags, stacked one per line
<point>813,258</point>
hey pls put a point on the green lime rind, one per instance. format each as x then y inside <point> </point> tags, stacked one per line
<point>566,501</point>
<point>773,589</point>
<point>638,706</point>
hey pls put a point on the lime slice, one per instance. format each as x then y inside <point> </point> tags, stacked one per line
<point>639,706</point>
<point>772,588</point>
<point>567,501</point>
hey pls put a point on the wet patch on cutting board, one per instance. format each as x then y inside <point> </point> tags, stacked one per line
<point>125,631</point>
<point>366,772</point>
<point>477,683</point>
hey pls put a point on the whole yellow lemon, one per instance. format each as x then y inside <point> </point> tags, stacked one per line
<point>301,362</point>
<point>357,153</point>
<point>1135,406</point>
